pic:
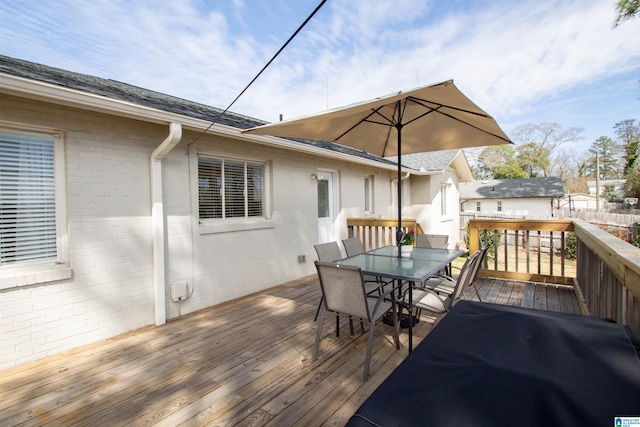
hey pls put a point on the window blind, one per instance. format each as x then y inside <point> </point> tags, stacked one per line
<point>27,198</point>
<point>230,188</point>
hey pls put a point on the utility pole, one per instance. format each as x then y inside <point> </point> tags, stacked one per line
<point>597,182</point>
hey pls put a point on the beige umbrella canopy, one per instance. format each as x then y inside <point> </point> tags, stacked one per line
<point>430,118</point>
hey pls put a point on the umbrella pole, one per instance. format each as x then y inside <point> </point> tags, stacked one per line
<point>399,232</point>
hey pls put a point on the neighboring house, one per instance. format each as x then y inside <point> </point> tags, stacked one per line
<point>122,207</point>
<point>615,185</point>
<point>531,197</point>
<point>434,193</point>
<point>580,202</point>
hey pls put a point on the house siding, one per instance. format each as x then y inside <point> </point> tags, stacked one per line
<point>110,292</point>
<point>426,205</point>
<point>110,238</point>
<point>527,207</point>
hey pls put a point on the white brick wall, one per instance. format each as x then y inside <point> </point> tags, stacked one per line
<point>107,177</point>
<point>109,231</point>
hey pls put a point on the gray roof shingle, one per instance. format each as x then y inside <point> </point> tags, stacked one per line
<point>512,188</point>
<point>431,162</point>
<point>125,92</point>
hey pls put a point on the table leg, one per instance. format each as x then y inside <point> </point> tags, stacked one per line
<point>410,317</point>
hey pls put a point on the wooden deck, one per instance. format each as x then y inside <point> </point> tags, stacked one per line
<point>246,362</point>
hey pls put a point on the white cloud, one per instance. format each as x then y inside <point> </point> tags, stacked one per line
<point>513,58</point>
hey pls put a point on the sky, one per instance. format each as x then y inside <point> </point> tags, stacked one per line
<point>524,62</point>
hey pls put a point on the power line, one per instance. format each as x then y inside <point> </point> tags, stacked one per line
<point>215,120</point>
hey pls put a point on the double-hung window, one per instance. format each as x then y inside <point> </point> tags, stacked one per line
<point>444,199</point>
<point>230,188</point>
<point>368,194</point>
<point>32,218</point>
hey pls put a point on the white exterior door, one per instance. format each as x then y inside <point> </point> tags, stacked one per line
<point>326,208</point>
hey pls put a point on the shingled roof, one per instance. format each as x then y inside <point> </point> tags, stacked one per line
<point>512,188</point>
<point>428,162</point>
<point>125,92</point>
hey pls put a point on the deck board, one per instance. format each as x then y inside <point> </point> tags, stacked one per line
<point>245,362</point>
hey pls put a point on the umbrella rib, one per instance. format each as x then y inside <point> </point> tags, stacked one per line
<point>366,119</point>
<point>422,102</point>
<point>437,110</point>
<point>476,127</point>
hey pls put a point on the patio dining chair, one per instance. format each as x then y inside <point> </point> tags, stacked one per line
<point>344,294</point>
<point>445,285</point>
<point>429,299</point>
<point>329,252</point>
<point>353,246</point>
<point>436,241</point>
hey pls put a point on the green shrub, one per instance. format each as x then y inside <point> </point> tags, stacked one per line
<point>487,237</point>
<point>570,245</point>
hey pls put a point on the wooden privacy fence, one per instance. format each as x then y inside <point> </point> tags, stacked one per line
<point>379,232</point>
<point>523,249</point>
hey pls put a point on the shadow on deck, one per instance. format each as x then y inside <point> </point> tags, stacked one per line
<point>245,362</point>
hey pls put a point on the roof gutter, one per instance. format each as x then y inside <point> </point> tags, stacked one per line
<point>157,221</point>
<point>20,86</point>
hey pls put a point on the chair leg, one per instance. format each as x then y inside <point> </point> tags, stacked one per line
<point>367,361</point>
<point>475,288</point>
<point>396,323</point>
<point>318,309</point>
<point>318,336</point>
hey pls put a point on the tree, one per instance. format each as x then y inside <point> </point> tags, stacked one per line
<point>498,161</point>
<point>547,135</point>
<point>628,133</point>
<point>632,184</point>
<point>532,156</point>
<point>534,159</point>
<point>537,142</point>
<point>605,150</point>
<point>509,171</point>
<point>609,194</point>
<point>627,9</point>
<point>571,166</point>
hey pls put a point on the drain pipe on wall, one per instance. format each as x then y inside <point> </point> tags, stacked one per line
<point>157,221</point>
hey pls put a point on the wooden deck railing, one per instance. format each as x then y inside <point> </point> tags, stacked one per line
<point>605,273</point>
<point>378,232</point>
<point>521,249</point>
<point>608,275</point>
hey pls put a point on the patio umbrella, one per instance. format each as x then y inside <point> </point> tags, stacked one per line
<point>430,118</point>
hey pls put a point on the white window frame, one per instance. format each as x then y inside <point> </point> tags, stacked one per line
<point>478,207</point>
<point>444,199</point>
<point>369,204</point>
<point>224,225</point>
<point>33,272</point>
<point>499,207</point>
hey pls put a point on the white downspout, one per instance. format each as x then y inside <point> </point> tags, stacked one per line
<point>157,220</point>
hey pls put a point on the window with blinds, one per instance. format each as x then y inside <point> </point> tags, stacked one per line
<point>27,198</point>
<point>230,188</point>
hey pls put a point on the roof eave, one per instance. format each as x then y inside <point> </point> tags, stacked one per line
<point>33,89</point>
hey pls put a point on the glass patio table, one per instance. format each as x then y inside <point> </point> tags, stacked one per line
<point>422,264</point>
